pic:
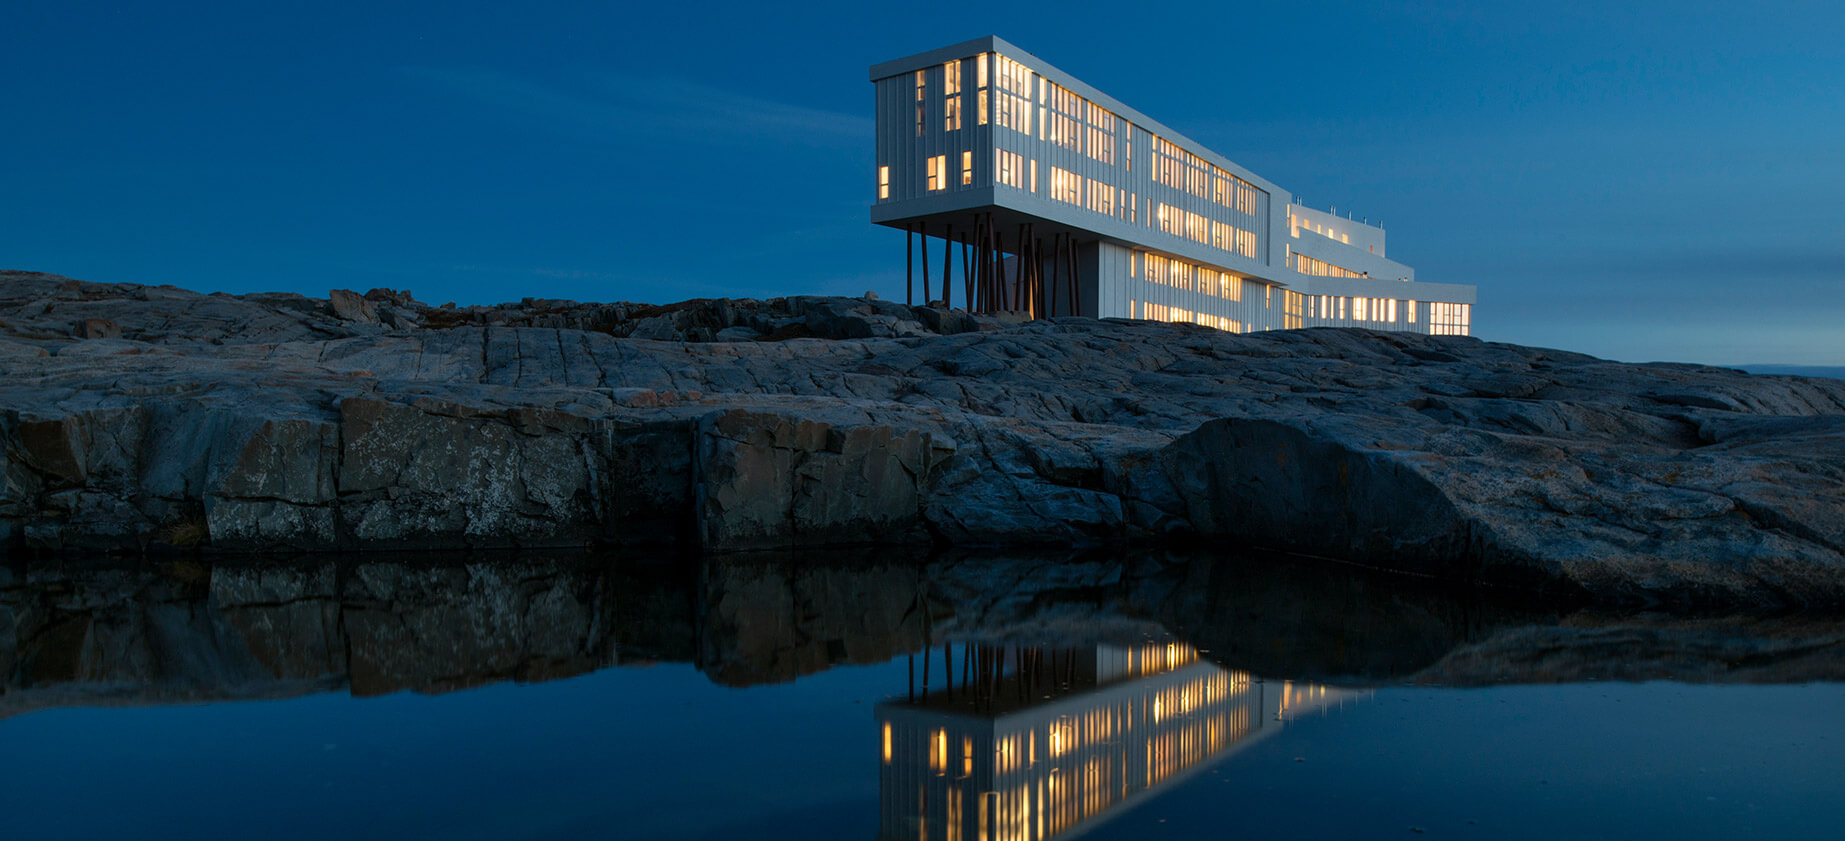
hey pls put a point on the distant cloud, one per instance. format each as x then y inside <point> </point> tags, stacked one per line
<point>614,104</point>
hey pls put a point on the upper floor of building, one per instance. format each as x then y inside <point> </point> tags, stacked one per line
<point>986,124</point>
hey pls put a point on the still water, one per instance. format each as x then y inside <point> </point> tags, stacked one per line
<point>961,698</point>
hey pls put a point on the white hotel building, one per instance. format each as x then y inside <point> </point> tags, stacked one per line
<point>996,155</point>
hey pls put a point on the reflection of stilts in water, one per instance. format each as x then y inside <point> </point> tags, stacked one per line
<point>1026,742</point>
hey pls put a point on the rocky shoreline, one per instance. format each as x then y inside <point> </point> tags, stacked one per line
<point>138,419</point>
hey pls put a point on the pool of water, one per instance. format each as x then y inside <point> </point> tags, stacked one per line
<point>967,698</point>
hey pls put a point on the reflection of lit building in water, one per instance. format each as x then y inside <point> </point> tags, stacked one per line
<point>1028,743</point>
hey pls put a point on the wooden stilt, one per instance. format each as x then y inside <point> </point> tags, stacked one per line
<point>927,647</point>
<point>1002,291</point>
<point>1019,273</point>
<point>1056,270</point>
<point>967,275</point>
<point>1032,252</point>
<point>948,252</point>
<point>948,668</point>
<point>925,264</point>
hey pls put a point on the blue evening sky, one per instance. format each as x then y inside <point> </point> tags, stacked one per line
<point>1641,181</point>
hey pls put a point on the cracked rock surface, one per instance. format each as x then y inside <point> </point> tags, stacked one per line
<point>136,416</point>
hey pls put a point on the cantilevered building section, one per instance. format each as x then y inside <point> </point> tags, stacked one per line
<point>1028,190</point>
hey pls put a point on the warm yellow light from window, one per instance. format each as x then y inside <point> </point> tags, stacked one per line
<point>919,103</point>
<point>938,172</point>
<point>887,743</point>
<point>884,182</point>
<point>967,167</point>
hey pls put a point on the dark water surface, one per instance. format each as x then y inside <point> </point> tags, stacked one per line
<point>870,697</point>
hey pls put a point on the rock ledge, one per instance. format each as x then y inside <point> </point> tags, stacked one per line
<point>138,417</point>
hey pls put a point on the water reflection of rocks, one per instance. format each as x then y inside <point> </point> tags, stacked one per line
<point>96,634</point>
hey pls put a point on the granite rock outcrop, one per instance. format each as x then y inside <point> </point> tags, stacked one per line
<point>265,422</point>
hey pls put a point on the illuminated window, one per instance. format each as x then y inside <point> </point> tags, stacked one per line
<point>1230,288</point>
<point>980,86</point>
<point>938,172</point>
<point>1016,84</point>
<point>1066,186</point>
<point>884,182</point>
<point>1184,223</point>
<point>1412,312</point>
<point>1009,168</point>
<point>919,103</point>
<point>1101,145</point>
<point>1101,198</point>
<point>1310,266</point>
<point>967,167</point>
<point>1058,120</point>
<point>951,90</point>
<point>1449,319</point>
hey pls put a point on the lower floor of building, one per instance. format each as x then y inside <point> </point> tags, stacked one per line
<point>1066,273</point>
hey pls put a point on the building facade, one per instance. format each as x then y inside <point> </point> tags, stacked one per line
<point>1043,195</point>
